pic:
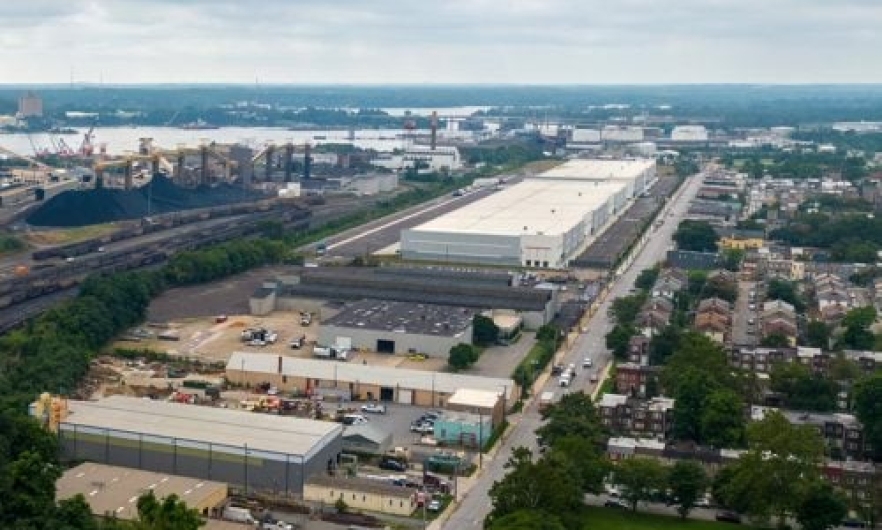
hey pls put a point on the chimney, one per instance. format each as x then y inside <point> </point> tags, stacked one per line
<point>280,364</point>
<point>307,162</point>
<point>434,125</point>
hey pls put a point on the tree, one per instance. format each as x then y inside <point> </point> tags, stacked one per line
<point>775,340</point>
<point>857,334</point>
<point>169,514</point>
<point>802,389</point>
<point>626,308</point>
<point>640,479</point>
<point>722,419</point>
<point>663,344</point>
<point>698,236</point>
<point>784,290</point>
<point>647,277</point>
<point>574,415</point>
<point>687,481</point>
<point>817,334</point>
<point>590,464</point>
<point>484,331</point>
<point>550,484</point>
<point>697,352</point>
<point>732,258</point>
<point>527,520</point>
<point>618,338</point>
<point>74,514</point>
<point>781,461</point>
<point>868,408</point>
<point>462,356</point>
<point>689,399</point>
<point>821,508</point>
<point>548,333</point>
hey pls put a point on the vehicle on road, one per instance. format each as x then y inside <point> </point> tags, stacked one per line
<point>615,503</point>
<point>728,517</point>
<point>587,363</point>
<point>546,399</point>
<point>391,464</point>
<point>557,369</point>
<point>374,408</point>
<point>563,381</point>
<point>593,378</point>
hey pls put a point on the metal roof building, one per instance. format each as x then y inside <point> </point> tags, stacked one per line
<point>373,382</point>
<point>541,222</point>
<point>246,449</point>
<point>114,491</point>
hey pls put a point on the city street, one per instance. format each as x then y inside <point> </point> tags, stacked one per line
<point>474,507</point>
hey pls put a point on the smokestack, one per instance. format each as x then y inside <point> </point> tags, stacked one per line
<point>434,139</point>
<point>280,364</point>
<point>307,162</point>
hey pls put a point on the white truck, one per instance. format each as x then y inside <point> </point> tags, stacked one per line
<point>330,352</point>
<point>546,399</point>
<point>238,515</point>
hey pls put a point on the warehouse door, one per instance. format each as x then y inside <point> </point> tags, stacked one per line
<point>385,346</point>
<point>405,397</point>
<point>387,393</point>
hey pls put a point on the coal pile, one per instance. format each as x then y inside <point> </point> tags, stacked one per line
<point>81,208</point>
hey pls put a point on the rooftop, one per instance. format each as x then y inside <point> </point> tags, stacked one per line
<point>111,489</point>
<point>469,397</point>
<point>232,428</point>
<point>532,207</point>
<point>404,317</point>
<point>447,383</point>
<point>589,169</point>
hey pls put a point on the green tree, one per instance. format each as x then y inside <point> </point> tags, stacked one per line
<point>663,344</point>
<point>802,389</point>
<point>786,291</point>
<point>689,399</point>
<point>640,479</point>
<point>868,408</point>
<point>170,513</point>
<point>590,464</point>
<point>817,334</point>
<point>75,514</point>
<point>775,340</point>
<point>484,331</point>
<point>781,461</point>
<point>527,520</point>
<point>462,356</point>
<point>618,338</point>
<point>722,419</point>
<point>688,482</point>
<point>549,484</point>
<point>573,415</point>
<point>857,334</point>
<point>698,236</point>
<point>647,277</point>
<point>548,333</point>
<point>625,309</point>
<point>821,508</point>
<point>732,258</point>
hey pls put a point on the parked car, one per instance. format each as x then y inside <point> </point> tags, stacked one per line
<point>422,428</point>
<point>354,419</point>
<point>392,465</point>
<point>434,505</point>
<point>586,363</point>
<point>615,503</point>
<point>297,342</point>
<point>728,517</point>
<point>374,408</point>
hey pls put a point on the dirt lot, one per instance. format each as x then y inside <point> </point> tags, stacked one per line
<point>228,297</point>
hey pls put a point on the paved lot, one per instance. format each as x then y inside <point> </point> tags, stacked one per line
<point>500,361</point>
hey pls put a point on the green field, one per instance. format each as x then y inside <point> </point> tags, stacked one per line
<point>610,519</point>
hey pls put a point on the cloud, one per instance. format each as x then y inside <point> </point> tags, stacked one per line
<point>455,41</point>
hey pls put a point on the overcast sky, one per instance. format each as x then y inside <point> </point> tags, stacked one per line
<point>441,41</point>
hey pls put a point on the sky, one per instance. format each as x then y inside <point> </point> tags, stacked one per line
<point>442,41</point>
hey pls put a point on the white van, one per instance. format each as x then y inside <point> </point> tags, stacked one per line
<point>238,515</point>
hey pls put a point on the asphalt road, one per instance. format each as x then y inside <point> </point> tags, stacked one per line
<point>474,507</point>
<point>743,332</point>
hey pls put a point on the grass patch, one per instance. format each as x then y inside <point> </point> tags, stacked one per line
<point>11,244</point>
<point>497,433</point>
<point>70,235</point>
<point>597,518</point>
<point>609,382</point>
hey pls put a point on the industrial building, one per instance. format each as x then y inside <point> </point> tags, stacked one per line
<point>252,451</point>
<point>438,158</point>
<point>542,222</point>
<point>359,381</point>
<point>321,290</point>
<point>689,133</point>
<point>398,327</point>
<point>362,494</point>
<point>114,491</point>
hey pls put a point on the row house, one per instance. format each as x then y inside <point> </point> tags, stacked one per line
<point>655,315</point>
<point>638,350</point>
<point>669,283</point>
<point>624,414</point>
<point>868,361</point>
<point>786,269</point>
<point>633,379</point>
<point>857,480</point>
<point>779,317</point>
<point>713,318</point>
<point>842,433</point>
<point>760,360</point>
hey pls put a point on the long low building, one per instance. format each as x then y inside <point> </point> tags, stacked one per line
<point>360,381</point>
<point>114,491</point>
<point>253,451</point>
<point>541,222</point>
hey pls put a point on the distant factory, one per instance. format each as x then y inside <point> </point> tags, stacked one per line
<point>542,222</point>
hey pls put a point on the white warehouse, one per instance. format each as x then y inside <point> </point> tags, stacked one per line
<point>542,222</point>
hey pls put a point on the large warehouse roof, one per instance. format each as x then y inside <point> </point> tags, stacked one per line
<point>404,317</point>
<point>547,207</point>
<point>368,374</point>
<point>115,490</point>
<point>259,432</point>
<point>611,170</point>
